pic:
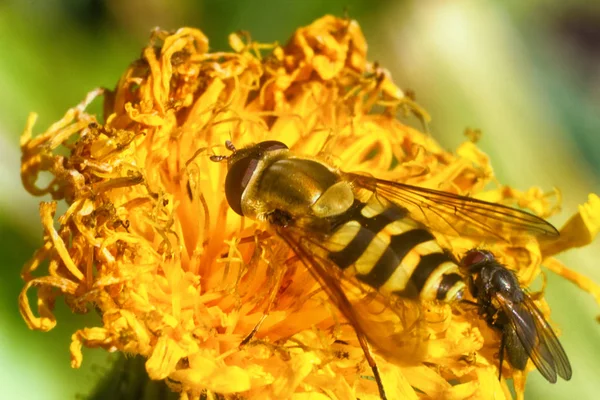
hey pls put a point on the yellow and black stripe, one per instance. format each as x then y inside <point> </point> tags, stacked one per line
<point>392,253</point>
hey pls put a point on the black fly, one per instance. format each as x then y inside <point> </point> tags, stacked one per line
<point>510,310</point>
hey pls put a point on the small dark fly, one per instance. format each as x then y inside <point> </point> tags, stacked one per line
<point>525,334</point>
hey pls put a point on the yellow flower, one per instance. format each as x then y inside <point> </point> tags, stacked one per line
<point>148,239</point>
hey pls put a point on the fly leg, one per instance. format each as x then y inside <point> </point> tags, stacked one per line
<point>501,355</point>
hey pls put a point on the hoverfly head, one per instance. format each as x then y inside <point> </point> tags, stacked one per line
<point>241,165</point>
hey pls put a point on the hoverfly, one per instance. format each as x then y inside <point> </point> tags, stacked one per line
<point>509,309</point>
<point>352,230</point>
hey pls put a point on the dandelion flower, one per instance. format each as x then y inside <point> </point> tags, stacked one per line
<point>149,242</point>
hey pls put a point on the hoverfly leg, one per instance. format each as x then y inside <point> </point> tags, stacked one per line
<point>371,361</point>
<point>217,158</point>
<point>469,302</point>
<point>249,337</point>
<point>262,319</point>
<point>258,236</point>
<point>275,288</point>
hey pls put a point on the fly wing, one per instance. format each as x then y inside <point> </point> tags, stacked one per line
<point>515,351</point>
<point>551,342</point>
<point>537,337</point>
<point>393,326</point>
<point>453,214</point>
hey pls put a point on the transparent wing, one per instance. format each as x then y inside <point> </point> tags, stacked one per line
<point>551,342</point>
<point>537,337</point>
<point>515,351</point>
<point>393,326</point>
<point>453,214</point>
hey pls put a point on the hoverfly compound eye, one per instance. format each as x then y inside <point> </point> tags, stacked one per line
<point>242,166</point>
<point>238,176</point>
<point>475,257</point>
<point>270,145</point>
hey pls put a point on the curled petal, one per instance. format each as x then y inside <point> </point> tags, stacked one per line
<point>579,231</point>
<point>45,303</point>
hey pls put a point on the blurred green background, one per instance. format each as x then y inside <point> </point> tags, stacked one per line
<point>526,73</point>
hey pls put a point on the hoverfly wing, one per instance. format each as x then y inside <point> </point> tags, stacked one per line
<point>392,326</point>
<point>537,337</point>
<point>453,214</point>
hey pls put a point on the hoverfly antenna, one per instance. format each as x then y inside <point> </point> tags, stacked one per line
<point>229,145</point>
<point>218,158</point>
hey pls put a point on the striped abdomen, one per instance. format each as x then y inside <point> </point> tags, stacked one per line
<point>392,253</point>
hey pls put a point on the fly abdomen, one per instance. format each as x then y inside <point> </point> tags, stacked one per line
<point>392,253</point>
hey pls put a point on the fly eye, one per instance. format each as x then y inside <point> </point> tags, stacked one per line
<point>474,257</point>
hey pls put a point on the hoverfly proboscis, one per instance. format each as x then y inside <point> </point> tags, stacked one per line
<point>356,232</point>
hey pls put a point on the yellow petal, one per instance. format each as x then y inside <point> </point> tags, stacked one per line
<point>579,231</point>
<point>206,373</point>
